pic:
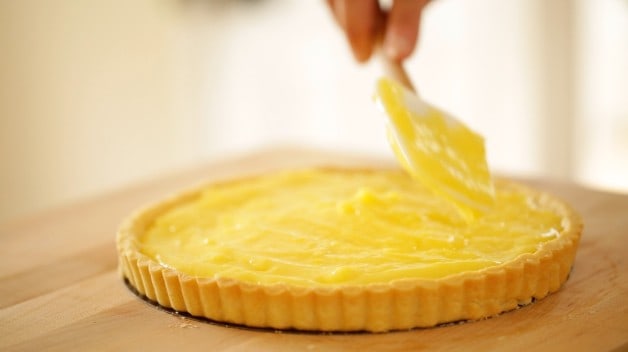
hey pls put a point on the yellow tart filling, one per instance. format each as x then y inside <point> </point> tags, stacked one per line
<point>332,228</point>
<point>437,150</point>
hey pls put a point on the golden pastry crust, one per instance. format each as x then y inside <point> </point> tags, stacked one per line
<point>400,304</point>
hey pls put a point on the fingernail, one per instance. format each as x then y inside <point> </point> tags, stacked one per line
<point>396,46</point>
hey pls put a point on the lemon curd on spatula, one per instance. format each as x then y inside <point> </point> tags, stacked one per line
<point>437,150</point>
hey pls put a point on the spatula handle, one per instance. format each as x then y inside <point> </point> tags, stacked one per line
<point>395,70</point>
<point>392,68</point>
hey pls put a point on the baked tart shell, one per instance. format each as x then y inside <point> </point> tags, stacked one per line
<point>398,305</point>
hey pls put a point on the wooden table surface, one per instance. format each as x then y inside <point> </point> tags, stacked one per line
<point>60,289</point>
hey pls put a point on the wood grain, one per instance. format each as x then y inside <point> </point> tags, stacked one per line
<point>60,290</point>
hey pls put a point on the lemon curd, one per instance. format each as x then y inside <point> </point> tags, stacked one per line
<point>331,227</point>
<point>437,150</point>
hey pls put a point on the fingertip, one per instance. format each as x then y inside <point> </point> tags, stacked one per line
<point>360,26</point>
<point>361,46</point>
<point>397,46</point>
<point>402,28</point>
<point>361,57</point>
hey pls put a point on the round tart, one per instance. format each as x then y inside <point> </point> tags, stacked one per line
<point>345,250</point>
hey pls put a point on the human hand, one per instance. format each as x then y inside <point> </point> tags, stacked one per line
<point>361,21</point>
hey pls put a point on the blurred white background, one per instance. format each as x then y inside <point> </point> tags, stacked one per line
<point>98,94</point>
